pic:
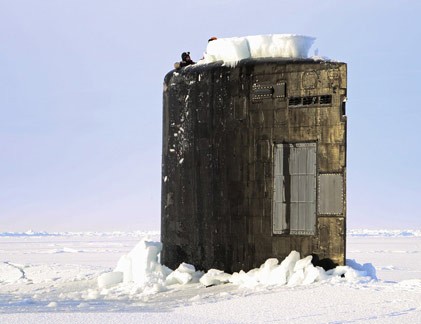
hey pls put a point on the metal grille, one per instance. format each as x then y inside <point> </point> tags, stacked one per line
<point>269,91</point>
<point>310,101</point>
<point>294,200</point>
<point>325,100</point>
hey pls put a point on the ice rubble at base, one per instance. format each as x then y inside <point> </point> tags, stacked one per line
<point>141,270</point>
<point>232,50</point>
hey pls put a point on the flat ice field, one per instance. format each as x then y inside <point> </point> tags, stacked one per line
<point>53,278</point>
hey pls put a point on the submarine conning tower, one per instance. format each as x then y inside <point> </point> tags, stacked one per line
<point>253,162</point>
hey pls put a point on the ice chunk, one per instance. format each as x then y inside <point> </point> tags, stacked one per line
<point>110,279</point>
<point>184,274</point>
<point>304,272</point>
<point>296,278</point>
<point>177,277</point>
<point>214,277</point>
<point>264,275</point>
<point>368,268</point>
<point>186,268</point>
<point>289,263</point>
<point>141,262</point>
<point>239,278</point>
<point>311,274</point>
<point>144,259</point>
<point>303,263</point>
<point>338,271</point>
<point>278,276</point>
<point>124,265</point>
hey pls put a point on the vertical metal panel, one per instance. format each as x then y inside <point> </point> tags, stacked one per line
<point>303,183</point>
<point>279,90</point>
<point>279,202</point>
<point>331,194</point>
<point>295,189</point>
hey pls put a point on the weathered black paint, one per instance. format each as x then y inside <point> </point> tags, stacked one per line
<point>219,127</point>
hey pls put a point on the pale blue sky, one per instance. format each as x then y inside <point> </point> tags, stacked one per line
<point>81,102</point>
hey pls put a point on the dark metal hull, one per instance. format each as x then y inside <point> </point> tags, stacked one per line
<point>223,128</point>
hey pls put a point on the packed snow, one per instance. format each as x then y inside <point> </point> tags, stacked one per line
<point>232,50</point>
<point>110,277</point>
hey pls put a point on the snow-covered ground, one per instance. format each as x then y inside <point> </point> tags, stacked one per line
<point>53,278</point>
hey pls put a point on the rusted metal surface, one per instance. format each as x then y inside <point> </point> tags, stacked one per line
<point>223,130</point>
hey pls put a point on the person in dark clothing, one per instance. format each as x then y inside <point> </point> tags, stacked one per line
<point>186,60</point>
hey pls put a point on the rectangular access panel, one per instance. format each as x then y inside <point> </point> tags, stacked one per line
<point>294,199</point>
<point>331,194</point>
